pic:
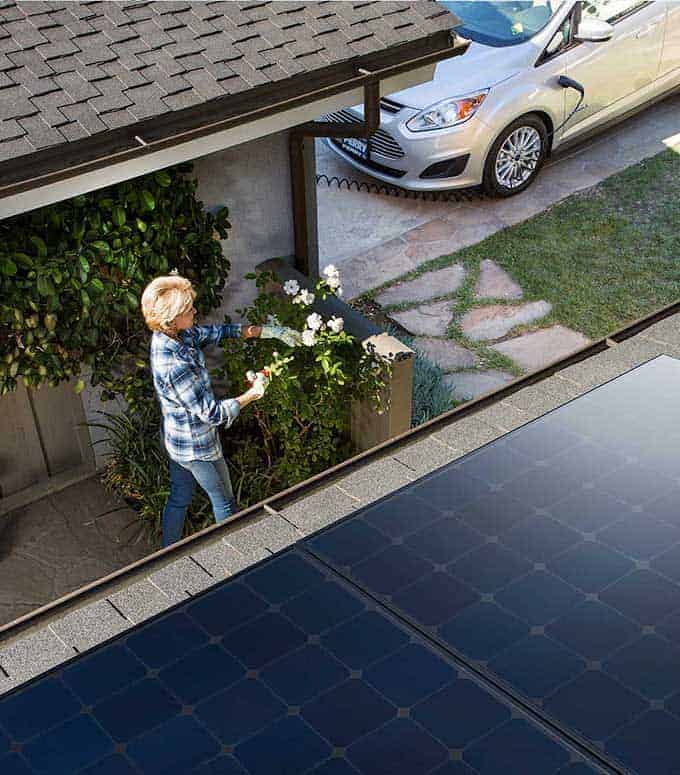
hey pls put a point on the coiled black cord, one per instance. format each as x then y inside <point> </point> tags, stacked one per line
<point>464,195</point>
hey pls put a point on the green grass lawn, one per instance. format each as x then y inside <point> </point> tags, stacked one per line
<point>602,257</point>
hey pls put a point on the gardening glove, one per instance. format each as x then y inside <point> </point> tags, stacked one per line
<point>287,335</point>
<point>258,382</point>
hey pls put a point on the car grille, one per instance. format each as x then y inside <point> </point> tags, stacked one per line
<point>390,106</point>
<point>382,143</point>
<point>370,163</point>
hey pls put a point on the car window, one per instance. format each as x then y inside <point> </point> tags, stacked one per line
<point>503,22</point>
<point>610,10</point>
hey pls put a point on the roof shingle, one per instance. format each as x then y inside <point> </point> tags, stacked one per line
<point>99,65</point>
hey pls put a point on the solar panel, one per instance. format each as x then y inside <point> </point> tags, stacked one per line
<point>284,670</point>
<point>549,560</point>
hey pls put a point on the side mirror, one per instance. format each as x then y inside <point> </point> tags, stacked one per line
<point>591,30</point>
<point>555,43</point>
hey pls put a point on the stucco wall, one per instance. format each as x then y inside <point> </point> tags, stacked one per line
<point>253,181</point>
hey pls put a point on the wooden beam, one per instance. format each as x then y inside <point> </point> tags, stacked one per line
<point>303,187</point>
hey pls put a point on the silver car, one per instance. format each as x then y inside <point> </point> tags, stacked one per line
<point>537,75</point>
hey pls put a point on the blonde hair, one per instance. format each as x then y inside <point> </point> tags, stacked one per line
<point>164,299</point>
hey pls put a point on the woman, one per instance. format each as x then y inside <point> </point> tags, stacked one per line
<point>190,413</point>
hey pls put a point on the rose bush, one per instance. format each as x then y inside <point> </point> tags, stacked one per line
<point>301,426</point>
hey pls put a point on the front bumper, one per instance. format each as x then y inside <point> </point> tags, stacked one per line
<point>400,157</point>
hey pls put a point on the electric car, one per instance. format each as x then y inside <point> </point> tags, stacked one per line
<point>536,76</point>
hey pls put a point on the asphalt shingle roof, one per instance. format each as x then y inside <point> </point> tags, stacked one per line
<point>71,70</point>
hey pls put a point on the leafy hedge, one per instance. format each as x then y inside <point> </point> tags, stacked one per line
<point>72,274</point>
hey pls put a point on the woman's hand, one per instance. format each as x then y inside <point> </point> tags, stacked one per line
<point>287,335</point>
<point>259,384</point>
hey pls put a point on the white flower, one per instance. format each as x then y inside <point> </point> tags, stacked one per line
<point>304,297</point>
<point>331,271</point>
<point>308,338</point>
<point>338,291</point>
<point>333,282</point>
<point>291,287</point>
<point>336,324</point>
<point>314,321</point>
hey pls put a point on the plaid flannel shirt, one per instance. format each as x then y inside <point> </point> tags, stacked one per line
<point>191,413</point>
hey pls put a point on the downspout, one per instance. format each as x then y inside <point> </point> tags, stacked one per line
<point>303,171</point>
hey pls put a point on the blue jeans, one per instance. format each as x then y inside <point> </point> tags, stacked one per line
<point>213,476</point>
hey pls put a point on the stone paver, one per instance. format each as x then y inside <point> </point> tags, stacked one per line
<point>427,286</point>
<point>427,320</point>
<point>495,320</point>
<point>446,354</point>
<point>534,350</point>
<point>495,283</point>
<point>466,385</point>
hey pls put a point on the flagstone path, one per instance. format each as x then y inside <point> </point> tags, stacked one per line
<point>490,320</point>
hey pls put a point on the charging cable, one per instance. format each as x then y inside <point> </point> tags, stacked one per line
<point>569,83</point>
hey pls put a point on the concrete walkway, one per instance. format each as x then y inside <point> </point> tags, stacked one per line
<point>393,236</point>
<point>63,542</point>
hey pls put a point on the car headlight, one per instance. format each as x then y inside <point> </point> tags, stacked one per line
<point>447,113</point>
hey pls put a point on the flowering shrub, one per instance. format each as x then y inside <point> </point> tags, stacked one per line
<point>301,426</point>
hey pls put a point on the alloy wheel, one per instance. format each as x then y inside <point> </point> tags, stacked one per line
<point>518,157</point>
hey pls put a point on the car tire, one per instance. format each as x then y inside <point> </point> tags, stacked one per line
<point>506,175</point>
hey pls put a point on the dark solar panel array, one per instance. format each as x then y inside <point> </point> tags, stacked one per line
<point>550,560</point>
<point>513,613</point>
<point>285,670</point>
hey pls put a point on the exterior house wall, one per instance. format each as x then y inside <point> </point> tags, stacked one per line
<point>253,181</point>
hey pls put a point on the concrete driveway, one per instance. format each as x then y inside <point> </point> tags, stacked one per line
<point>374,238</point>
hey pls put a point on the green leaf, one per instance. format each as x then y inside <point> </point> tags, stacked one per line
<point>40,245</point>
<point>102,246</point>
<point>80,386</point>
<point>23,259</point>
<point>148,200</point>
<point>141,225</point>
<point>131,300</point>
<point>97,284</point>
<point>79,230</point>
<point>163,179</point>
<point>9,268</point>
<point>118,216</point>
<point>44,286</point>
<point>84,264</point>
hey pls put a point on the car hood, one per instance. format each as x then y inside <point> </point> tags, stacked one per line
<point>478,68</point>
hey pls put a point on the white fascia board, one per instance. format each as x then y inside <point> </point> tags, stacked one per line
<point>194,149</point>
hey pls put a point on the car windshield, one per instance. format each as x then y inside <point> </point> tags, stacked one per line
<point>503,22</point>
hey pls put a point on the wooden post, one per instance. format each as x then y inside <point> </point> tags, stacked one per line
<point>303,186</point>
